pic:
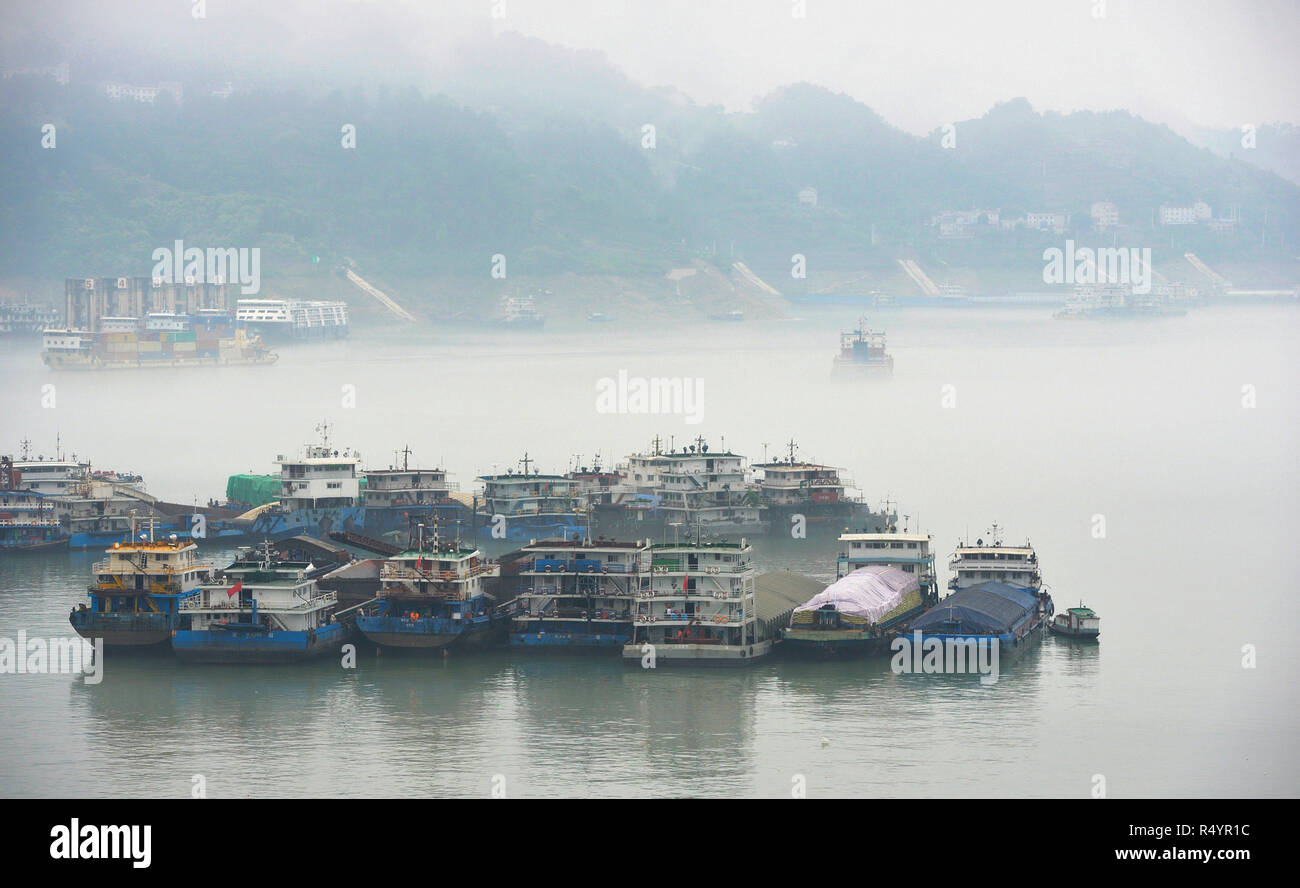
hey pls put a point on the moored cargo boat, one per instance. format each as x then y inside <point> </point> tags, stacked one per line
<point>529,505</point>
<point>578,594</point>
<point>986,615</point>
<point>433,596</point>
<point>261,609</point>
<point>980,562</point>
<point>856,615</point>
<point>699,610</point>
<point>138,591</point>
<point>400,498</point>
<point>320,493</point>
<point>792,487</point>
<point>886,545</point>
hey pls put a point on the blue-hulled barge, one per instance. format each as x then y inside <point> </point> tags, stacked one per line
<point>434,596</point>
<point>264,608</point>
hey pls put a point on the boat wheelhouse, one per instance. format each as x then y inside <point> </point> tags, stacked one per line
<point>528,504</point>
<point>400,498</point>
<point>320,492</point>
<point>863,353</point>
<point>578,594</point>
<point>699,609</point>
<point>27,518</point>
<point>708,491</point>
<point>1081,623</point>
<point>793,486</point>
<point>263,608</point>
<point>138,591</point>
<point>995,562</point>
<point>887,546</point>
<point>433,595</point>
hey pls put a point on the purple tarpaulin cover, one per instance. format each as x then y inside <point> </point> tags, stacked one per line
<point>870,592</point>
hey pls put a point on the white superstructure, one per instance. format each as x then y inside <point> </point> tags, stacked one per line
<point>320,478</point>
<point>699,607</point>
<point>911,553</point>
<point>992,561</point>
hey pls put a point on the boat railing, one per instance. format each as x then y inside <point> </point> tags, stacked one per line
<point>669,566</point>
<point>718,619</point>
<point>392,572</point>
<point>578,565</point>
<point>29,522</point>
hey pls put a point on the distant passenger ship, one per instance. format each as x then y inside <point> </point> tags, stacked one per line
<point>286,320</point>
<point>520,312</point>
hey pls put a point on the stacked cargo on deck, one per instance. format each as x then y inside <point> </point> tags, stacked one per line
<point>855,615</point>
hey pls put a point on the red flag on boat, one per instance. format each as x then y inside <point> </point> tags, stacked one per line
<point>239,584</point>
<point>419,563</point>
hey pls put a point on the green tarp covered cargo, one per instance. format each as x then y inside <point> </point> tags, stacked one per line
<point>253,490</point>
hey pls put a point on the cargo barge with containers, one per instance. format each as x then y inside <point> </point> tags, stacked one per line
<point>133,322</point>
<point>158,340</point>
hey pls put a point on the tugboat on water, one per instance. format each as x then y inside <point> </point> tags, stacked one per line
<point>138,590</point>
<point>262,609</point>
<point>432,596</point>
<point>862,353</point>
<point>1080,623</point>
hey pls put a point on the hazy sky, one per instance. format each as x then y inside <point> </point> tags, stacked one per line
<point>920,63</point>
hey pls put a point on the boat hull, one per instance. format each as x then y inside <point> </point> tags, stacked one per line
<point>136,630</point>
<point>719,655</point>
<point>429,633</point>
<point>570,642</point>
<point>832,644</point>
<point>236,647</point>
<point>1076,635</point>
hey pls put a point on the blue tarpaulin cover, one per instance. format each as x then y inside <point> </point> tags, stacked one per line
<point>985,609</point>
